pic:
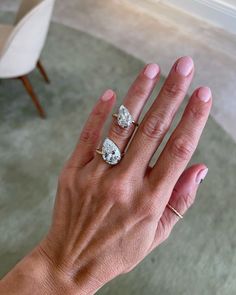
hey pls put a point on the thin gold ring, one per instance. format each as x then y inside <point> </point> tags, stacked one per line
<point>175,211</point>
<point>133,122</point>
<point>99,152</point>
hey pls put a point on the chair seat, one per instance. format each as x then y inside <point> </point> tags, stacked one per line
<point>5,31</point>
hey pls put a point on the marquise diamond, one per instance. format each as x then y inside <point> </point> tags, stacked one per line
<point>124,118</point>
<point>110,152</point>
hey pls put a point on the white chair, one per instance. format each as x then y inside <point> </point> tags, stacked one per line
<point>21,44</point>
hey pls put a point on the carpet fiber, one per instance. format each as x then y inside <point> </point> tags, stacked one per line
<point>198,258</point>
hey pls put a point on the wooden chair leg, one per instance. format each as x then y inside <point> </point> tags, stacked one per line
<point>26,82</point>
<point>43,71</point>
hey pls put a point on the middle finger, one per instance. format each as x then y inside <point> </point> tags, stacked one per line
<point>158,119</point>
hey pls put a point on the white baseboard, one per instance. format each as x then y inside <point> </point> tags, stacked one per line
<point>217,12</point>
<point>220,13</point>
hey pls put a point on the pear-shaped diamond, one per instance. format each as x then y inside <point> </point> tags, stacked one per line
<point>124,118</point>
<point>110,152</point>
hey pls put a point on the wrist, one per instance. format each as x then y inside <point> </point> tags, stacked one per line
<point>29,276</point>
<point>37,275</point>
<point>47,275</point>
<point>63,276</point>
<point>52,277</point>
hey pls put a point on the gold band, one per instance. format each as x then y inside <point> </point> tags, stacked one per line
<point>99,152</point>
<point>175,211</point>
<point>135,124</point>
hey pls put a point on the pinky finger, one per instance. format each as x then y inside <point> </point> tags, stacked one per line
<point>92,130</point>
<point>183,196</point>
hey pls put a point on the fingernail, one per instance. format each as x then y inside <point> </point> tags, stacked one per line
<point>201,175</point>
<point>107,95</point>
<point>184,66</point>
<point>204,94</point>
<point>151,71</point>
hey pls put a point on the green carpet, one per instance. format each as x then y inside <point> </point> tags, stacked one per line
<point>198,258</point>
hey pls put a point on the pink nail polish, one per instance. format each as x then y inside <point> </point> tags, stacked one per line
<point>201,175</point>
<point>151,71</point>
<point>107,95</point>
<point>184,66</point>
<point>204,94</point>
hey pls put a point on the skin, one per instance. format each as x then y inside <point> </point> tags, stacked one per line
<point>108,218</point>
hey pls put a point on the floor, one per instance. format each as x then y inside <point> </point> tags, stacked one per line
<point>200,255</point>
<point>152,37</point>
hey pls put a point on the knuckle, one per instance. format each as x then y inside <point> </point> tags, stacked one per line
<point>181,148</point>
<point>150,211</point>
<point>120,132</point>
<point>140,91</point>
<point>188,200</point>
<point>155,126</point>
<point>119,195</point>
<point>98,113</point>
<point>172,89</point>
<point>197,112</point>
<point>89,136</point>
<point>147,208</point>
<point>117,191</point>
<point>67,178</point>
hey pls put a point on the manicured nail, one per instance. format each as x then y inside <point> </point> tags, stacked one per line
<point>201,175</point>
<point>151,71</point>
<point>184,66</point>
<point>107,95</point>
<point>204,94</point>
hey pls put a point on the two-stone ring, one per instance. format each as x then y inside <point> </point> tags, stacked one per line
<point>110,152</point>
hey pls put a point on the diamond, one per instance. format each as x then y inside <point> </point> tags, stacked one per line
<point>110,152</point>
<point>124,118</point>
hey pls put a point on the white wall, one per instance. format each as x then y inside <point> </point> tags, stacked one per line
<point>232,2</point>
<point>219,12</point>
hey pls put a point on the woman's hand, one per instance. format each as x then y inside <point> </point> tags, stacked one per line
<point>108,218</point>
